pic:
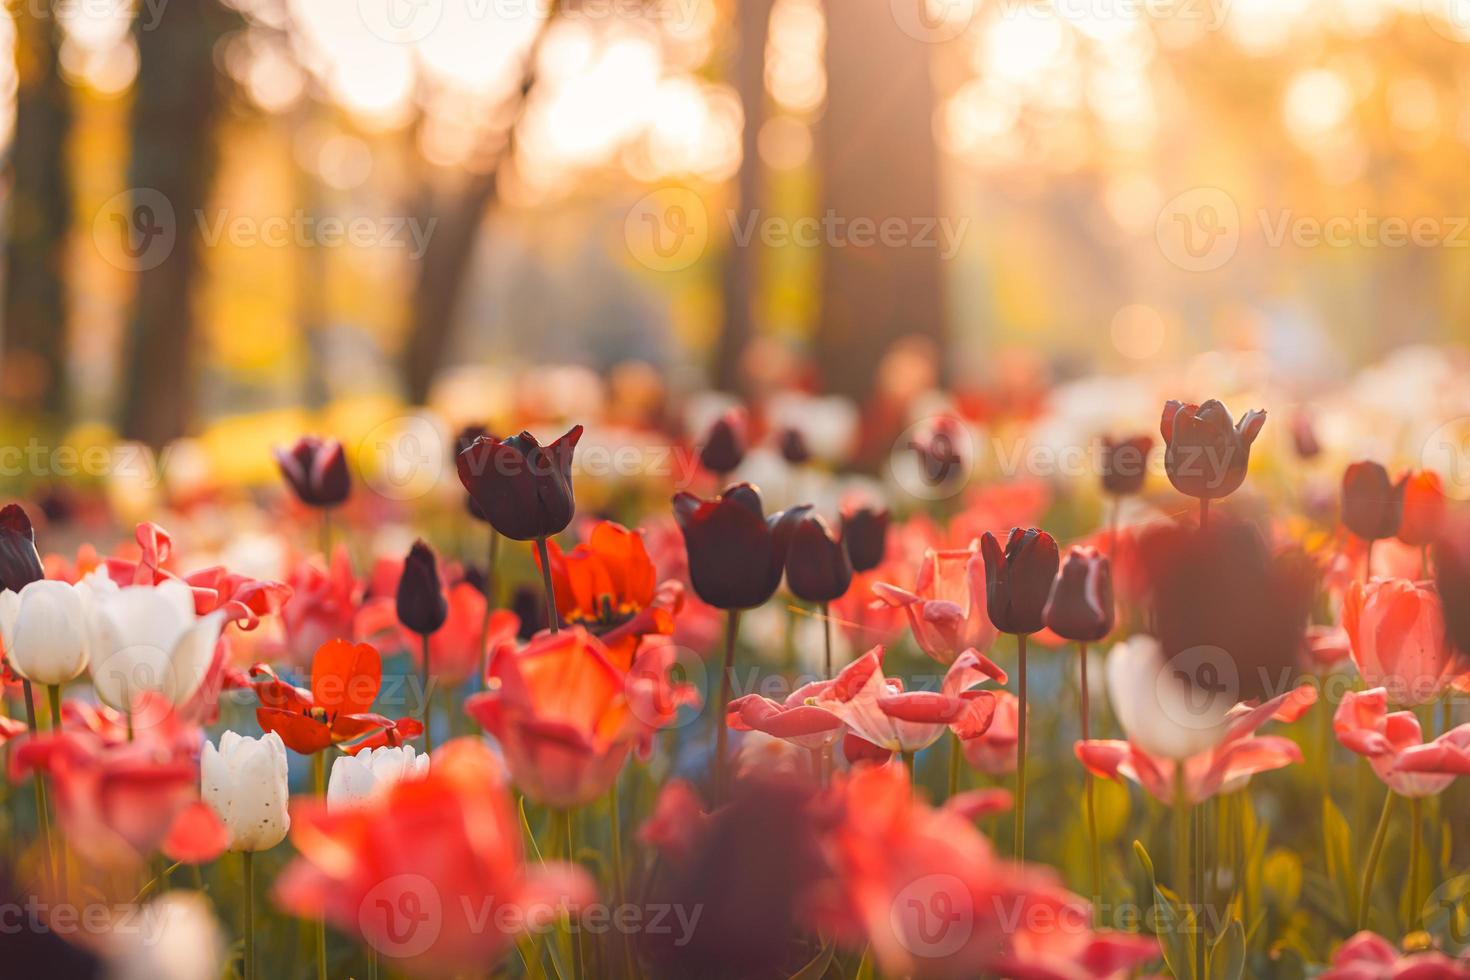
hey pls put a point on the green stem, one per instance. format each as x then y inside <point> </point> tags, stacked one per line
<point>489,604</point>
<point>569,817</point>
<point>615,828</point>
<point>326,537</point>
<point>954,766</point>
<point>372,958</point>
<point>53,697</point>
<point>727,680</point>
<point>1365,894</point>
<point>428,702</point>
<point>1416,853</point>
<point>827,642</point>
<point>1200,878</point>
<point>1020,841</point>
<point>249,859</point>
<point>319,784</point>
<point>552,620</point>
<point>43,815</point>
<point>1087,788</point>
<point>1182,851</point>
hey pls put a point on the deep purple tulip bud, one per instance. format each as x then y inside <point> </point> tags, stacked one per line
<point>1125,464</point>
<point>20,563</point>
<point>522,487</point>
<point>1018,580</point>
<point>1304,437</point>
<point>1372,504</point>
<point>794,448</point>
<point>316,471</point>
<point>865,535</point>
<point>725,442</point>
<point>1080,607</point>
<point>422,606</point>
<point>1206,454</point>
<point>736,553</point>
<point>817,565</point>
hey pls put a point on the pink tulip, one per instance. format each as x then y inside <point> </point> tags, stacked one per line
<point>946,608</point>
<point>1397,631</point>
<point>1394,746</point>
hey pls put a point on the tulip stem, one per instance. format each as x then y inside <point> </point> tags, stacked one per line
<point>1087,788</point>
<point>954,766</point>
<point>249,859</point>
<point>552,620</point>
<point>827,642</point>
<point>489,605</point>
<point>53,697</point>
<point>569,817</point>
<point>1183,851</point>
<point>1416,851</point>
<point>428,702</point>
<point>1365,896</point>
<point>319,787</point>
<point>1020,841</point>
<point>615,829</point>
<point>326,537</point>
<point>43,816</point>
<point>727,679</point>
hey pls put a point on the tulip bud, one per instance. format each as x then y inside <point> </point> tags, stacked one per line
<point>522,487</point>
<point>1372,504</point>
<point>1425,507</point>
<point>244,782</point>
<point>1080,607</point>
<point>45,631</point>
<point>865,535</point>
<point>1018,580</point>
<point>736,553</point>
<point>1304,437</point>
<point>316,471</point>
<point>355,778</point>
<point>725,442</point>
<point>422,607</point>
<point>817,566</point>
<point>939,451</point>
<point>794,448</point>
<point>1452,580</point>
<point>20,563</point>
<point>1206,455</point>
<point>1125,464</point>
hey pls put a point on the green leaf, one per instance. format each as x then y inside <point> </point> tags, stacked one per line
<point>1227,956</point>
<point>818,966</point>
<point>1175,925</point>
<point>1337,846</point>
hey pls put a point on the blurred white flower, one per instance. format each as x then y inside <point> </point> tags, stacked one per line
<point>244,781</point>
<point>179,939</point>
<point>45,630</point>
<point>355,778</point>
<point>148,638</point>
<point>1158,711</point>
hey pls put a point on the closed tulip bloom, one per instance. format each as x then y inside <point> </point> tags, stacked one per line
<point>1372,504</point>
<point>1018,580</point>
<point>244,782</point>
<point>316,471</point>
<point>355,778</point>
<point>1397,631</point>
<point>20,563</point>
<point>1304,436</point>
<point>1125,464</point>
<point>148,638</point>
<point>1080,607</point>
<point>45,631</point>
<point>724,444</point>
<point>794,448</point>
<point>817,566</point>
<point>523,488</point>
<point>865,535</point>
<point>1452,579</point>
<point>464,439</point>
<point>1425,507</point>
<point>422,606</point>
<point>1206,454</point>
<point>736,553</point>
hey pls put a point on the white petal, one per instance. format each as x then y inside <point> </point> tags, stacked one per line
<point>191,657</point>
<point>1158,712</point>
<point>48,642</point>
<point>9,610</point>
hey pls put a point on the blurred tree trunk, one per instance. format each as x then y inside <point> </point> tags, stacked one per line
<point>878,161</point>
<point>177,100</point>
<point>748,73</point>
<point>39,219</point>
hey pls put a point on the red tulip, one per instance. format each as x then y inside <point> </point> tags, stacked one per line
<point>322,605</point>
<point>992,749</point>
<point>430,872</point>
<point>1397,631</point>
<point>344,682</point>
<point>946,609</point>
<point>1367,956</point>
<point>1425,508</point>
<point>1394,746</point>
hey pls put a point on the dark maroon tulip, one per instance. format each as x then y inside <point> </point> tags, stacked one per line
<point>725,442</point>
<point>316,471</point>
<point>422,606</point>
<point>1080,607</point>
<point>463,440</point>
<point>817,565</point>
<point>1125,464</point>
<point>794,448</point>
<point>20,563</point>
<point>1219,595</point>
<point>1018,580</point>
<point>1304,437</point>
<point>524,488</point>
<point>736,553</point>
<point>1372,504</point>
<point>1206,454</point>
<point>1452,577</point>
<point>865,535</point>
<point>938,449</point>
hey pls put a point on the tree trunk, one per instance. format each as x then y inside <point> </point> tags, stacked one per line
<point>39,219</point>
<point>878,161</point>
<point>177,100</point>
<point>748,73</point>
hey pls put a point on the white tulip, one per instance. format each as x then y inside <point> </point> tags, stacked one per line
<point>45,630</point>
<point>355,778</point>
<point>244,781</point>
<point>1158,711</point>
<point>147,638</point>
<point>180,940</point>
